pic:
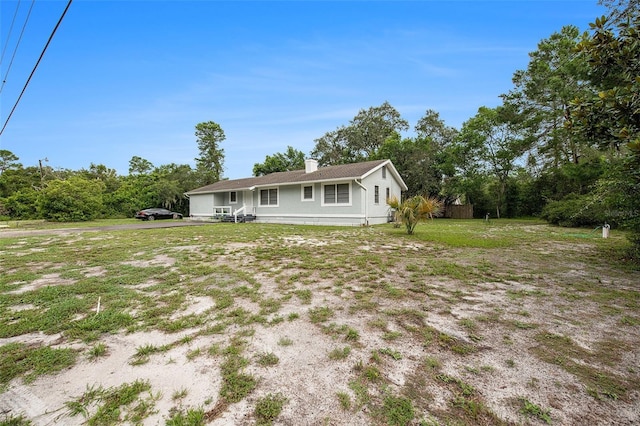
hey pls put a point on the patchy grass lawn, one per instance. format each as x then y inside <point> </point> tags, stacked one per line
<point>513,322</point>
<point>43,224</point>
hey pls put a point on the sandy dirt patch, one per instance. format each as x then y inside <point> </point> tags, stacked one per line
<point>419,333</point>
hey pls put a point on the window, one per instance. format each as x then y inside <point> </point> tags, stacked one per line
<point>329,194</point>
<point>376,194</point>
<point>384,172</point>
<point>233,197</point>
<point>388,194</point>
<point>337,194</point>
<point>343,193</point>
<point>269,197</point>
<point>307,193</point>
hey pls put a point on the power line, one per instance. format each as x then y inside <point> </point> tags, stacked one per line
<point>35,66</point>
<point>15,14</point>
<point>4,80</point>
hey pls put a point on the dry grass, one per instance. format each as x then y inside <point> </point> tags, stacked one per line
<point>460,323</point>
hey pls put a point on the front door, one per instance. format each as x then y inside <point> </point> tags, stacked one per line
<point>247,198</point>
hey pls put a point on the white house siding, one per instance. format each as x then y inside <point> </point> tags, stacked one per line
<point>291,208</point>
<point>234,205</point>
<point>291,205</point>
<point>379,212</point>
<point>201,206</point>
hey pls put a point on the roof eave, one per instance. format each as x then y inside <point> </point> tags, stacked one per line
<point>300,182</point>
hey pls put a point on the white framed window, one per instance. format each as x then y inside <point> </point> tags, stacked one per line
<point>269,197</point>
<point>388,194</point>
<point>233,197</point>
<point>384,172</point>
<point>307,193</point>
<point>336,194</point>
<point>376,194</point>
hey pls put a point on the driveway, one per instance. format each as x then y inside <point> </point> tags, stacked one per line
<point>14,233</point>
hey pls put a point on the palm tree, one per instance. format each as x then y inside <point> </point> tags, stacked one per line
<point>413,210</point>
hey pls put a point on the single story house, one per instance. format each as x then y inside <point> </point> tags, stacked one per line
<point>347,194</point>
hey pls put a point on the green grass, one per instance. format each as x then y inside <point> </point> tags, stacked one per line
<point>390,353</point>
<point>194,353</point>
<point>392,335</point>
<point>345,400</point>
<point>584,364</point>
<point>144,352</point>
<point>530,409</point>
<point>361,391</point>
<point>471,233</point>
<point>268,408</point>
<point>179,394</point>
<point>305,295</point>
<point>346,332</point>
<point>127,403</point>
<point>14,421</point>
<point>285,341</point>
<point>398,411</point>
<point>450,289</point>
<point>30,362</point>
<point>43,224</point>
<point>320,314</point>
<point>98,350</point>
<point>269,306</point>
<point>236,384</point>
<point>454,344</point>
<point>267,359</point>
<point>338,353</point>
<point>189,417</point>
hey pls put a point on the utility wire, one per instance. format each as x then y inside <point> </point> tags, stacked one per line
<point>10,30</point>
<point>35,67</point>
<point>4,79</point>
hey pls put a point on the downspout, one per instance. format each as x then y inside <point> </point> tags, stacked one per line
<point>366,202</point>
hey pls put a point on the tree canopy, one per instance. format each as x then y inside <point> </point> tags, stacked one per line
<point>209,164</point>
<point>361,139</point>
<point>564,145</point>
<point>609,116</point>
<point>291,159</point>
<point>7,160</point>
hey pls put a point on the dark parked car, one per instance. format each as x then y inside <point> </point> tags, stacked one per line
<point>153,214</point>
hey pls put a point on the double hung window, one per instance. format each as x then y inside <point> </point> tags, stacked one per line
<point>337,193</point>
<point>307,193</point>
<point>269,197</point>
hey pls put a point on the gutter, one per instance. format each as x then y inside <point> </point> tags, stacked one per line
<point>366,202</point>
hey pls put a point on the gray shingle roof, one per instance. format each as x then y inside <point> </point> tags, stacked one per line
<point>342,171</point>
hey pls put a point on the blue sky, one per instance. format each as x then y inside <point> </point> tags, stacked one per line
<point>133,78</point>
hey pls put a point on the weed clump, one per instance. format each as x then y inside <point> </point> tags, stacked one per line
<point>268,408</point>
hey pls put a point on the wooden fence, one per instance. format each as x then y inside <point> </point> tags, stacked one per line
<point>454,211</point>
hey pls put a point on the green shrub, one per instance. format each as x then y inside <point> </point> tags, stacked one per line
<point>21,204</point>
<point>577,211</point>
<point>71,200</point>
